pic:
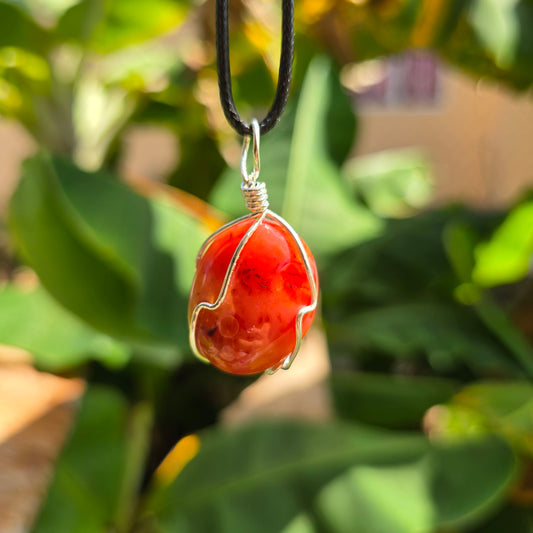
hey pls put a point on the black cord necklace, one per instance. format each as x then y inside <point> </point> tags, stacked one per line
<point>224,71</point>
<point>255,291</point>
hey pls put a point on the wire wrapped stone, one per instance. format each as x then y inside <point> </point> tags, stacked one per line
<point>255,290</point>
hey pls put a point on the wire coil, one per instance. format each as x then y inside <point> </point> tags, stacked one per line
<point>255,196</point>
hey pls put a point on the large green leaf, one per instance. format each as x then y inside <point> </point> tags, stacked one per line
<point>94,471</point>
<point>32,320</point>
<point>388,401</point>
<point>288,477</point>
<point>120,261</point>
<point>300,164</point>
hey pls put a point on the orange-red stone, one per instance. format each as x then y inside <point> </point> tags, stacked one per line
<point>254,327</point>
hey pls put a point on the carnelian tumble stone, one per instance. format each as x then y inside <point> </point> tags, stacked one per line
<point>255,326</point>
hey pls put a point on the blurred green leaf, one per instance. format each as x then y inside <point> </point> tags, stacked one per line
<point>489,39</point>
<point>459,242</point>
<point>506,257</point>
<point>200,158</point>
<point>286,476</point>
<point>253,86</point>
<point>120,261</point>
<point>387,27</point>
<point>396,402</point>
<point>85,492</point>
<point>503,408</point>
<point>99,112</point>
<point>407,262</point>
<point>108,26</point>
<point>497,320</point>
<point>32,320</point>
<point>392,183</point>
<point>462,244</point>
<point>512,401</point>
<point>447,336</point>
<point>141,68</point>
<point>46,11</point>
<point>17,28</point>
<point>396,297</point>
<point>497,25</point>
<point>486,38</point>
<point>513,518</point>
<point>300,163</point>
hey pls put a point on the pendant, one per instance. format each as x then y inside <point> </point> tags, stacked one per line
<point>255,290</point>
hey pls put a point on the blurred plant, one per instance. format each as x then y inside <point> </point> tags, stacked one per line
<point>418,325</point>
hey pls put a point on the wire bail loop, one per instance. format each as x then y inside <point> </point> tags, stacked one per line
<point>250,178</point>
<point>254,192</point>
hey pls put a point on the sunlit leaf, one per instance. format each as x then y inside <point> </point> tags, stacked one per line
<point>11,100</point>
<point>504,408</point>
<point>33,321</point>
<point>496,23</point>
<point>393,183</point>
<point>506,257</point>
<point>141,67</point>
<point>98,114</point>
<point>29,64</point>
<point>108,26</point>
<point>274,476</point>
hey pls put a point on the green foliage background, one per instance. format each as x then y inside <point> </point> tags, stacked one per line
<point>424,313</point>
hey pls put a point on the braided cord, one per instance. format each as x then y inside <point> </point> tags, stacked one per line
<point>224,71</point>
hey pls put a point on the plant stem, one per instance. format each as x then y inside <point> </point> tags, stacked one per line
<point>139,442</point>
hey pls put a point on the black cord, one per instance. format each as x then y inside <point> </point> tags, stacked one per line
<point>224,71</point>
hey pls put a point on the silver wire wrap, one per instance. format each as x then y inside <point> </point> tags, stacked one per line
<point>255,196</point>
<point>249,178</point>
<point>256,200</point>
